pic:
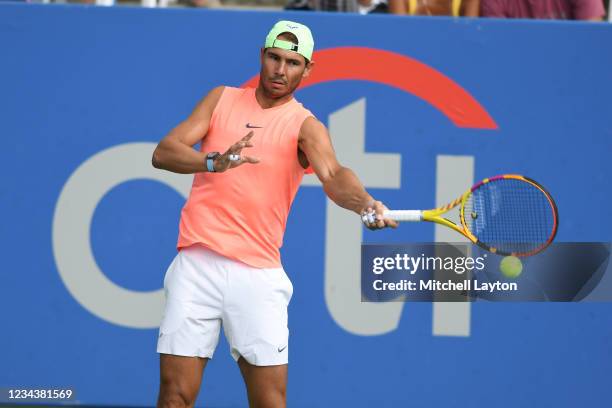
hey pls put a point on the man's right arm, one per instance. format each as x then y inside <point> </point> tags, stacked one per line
<point>175,152</point>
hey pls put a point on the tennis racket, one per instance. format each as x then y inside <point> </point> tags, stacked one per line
<point>507,215</point>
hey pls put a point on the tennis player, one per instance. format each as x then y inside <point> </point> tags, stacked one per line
<point>256,145</point>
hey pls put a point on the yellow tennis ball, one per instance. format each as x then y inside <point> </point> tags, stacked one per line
<point>511,266</point>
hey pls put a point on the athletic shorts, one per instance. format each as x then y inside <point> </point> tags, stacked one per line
<point>205,290</point>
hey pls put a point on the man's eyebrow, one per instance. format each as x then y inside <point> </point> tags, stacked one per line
<point>289,59</point>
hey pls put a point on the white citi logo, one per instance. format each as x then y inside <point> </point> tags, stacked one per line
<point>343,233</point>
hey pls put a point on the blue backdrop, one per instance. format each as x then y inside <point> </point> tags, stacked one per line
<point>78,81</point>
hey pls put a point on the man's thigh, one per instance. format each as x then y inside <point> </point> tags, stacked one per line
<point>266,385</point>
<point>180,379</point>
<point>191,323</point>
<point>255,315</point>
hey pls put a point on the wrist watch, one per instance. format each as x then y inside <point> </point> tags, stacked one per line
<point>210,161</point>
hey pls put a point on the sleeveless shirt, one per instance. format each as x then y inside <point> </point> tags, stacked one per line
<point>242,212</point>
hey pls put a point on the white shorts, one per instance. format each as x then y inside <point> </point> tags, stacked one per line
<point>205,290</point>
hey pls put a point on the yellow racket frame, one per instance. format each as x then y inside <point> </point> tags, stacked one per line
<point>434,215</point>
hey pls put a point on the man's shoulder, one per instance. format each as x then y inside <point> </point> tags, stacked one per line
<point>311,126</point>
<point>233,88</point>
<point>226,94</point>
<point>303,112</point>
<point>226,89</point>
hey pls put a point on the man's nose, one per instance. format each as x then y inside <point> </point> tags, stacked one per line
<point>280,68</point>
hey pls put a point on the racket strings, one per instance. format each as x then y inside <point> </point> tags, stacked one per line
<point>511,215</point>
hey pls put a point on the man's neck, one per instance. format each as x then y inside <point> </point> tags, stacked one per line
<point>266,102</point>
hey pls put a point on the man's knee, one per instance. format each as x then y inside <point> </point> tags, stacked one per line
<point>173,394</point>
<point>273,397</point>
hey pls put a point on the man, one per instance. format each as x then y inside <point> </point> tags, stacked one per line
<point>228,268</point>
<point>455,8</point>
<point>360,6</point>
<point>589,10</point>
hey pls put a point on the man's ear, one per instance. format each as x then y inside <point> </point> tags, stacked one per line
<point>308,69</point>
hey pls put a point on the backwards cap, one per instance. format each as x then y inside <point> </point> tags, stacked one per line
<point>305,44</point>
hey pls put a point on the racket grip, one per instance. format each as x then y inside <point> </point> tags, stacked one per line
<point>404,215</point>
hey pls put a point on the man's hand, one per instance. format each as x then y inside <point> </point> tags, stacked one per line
<point>232,157</point>
<point>372,216</point>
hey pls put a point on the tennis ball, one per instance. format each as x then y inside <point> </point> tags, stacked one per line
<point>511,266</point>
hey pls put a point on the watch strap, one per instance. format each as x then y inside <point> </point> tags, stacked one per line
<point>210,161</point>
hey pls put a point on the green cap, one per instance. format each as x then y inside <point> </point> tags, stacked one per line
<point>305,44</point>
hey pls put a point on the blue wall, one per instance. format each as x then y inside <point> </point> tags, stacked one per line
<point>75,81</point>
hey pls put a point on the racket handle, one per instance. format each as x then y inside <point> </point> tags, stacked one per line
<point>404,215</point>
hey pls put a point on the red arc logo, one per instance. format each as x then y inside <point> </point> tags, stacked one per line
<point>401,72</point>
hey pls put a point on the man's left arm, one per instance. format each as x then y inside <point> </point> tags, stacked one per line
<point>339,183</point>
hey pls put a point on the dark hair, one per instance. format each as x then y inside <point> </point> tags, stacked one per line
<point>289,37</point>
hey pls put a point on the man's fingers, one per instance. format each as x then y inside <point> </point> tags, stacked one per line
<point>380,215</point>
<point>369,218</point>
<point>373,217</point>
<point>391,223</point>
<point>379,208</point>
<point>249,159</point>
<point>380,222</point>
<point>239,160</point>
<point>237,147</point>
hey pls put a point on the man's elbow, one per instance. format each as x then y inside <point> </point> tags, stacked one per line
<point>156,159</point>
<point>329,177</point>
<point>326,177</point>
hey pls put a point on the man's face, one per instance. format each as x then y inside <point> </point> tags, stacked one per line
<point>282,71</point>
